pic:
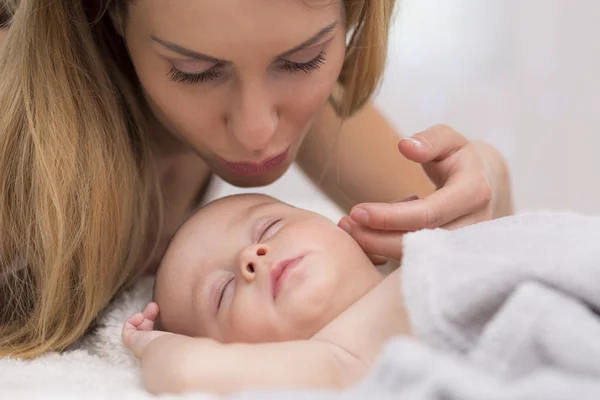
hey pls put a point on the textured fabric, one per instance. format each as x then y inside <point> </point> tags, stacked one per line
<point>501,310</point>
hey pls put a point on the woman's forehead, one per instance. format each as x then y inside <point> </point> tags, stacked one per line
<point>191,22</point>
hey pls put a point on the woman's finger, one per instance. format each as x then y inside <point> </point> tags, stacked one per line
<point>386,244</point>
<point>465,194</point>
<point>434,144</point>
<point>468,220</point>
<point>377,260</point>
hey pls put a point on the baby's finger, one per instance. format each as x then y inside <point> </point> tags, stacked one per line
<point>129,329</point>
<point>136,341</point>
<point>135,320</point>
<point>151,311</point>
<point>146,325</point>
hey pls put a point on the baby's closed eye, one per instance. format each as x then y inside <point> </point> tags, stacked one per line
<point>227,285</point>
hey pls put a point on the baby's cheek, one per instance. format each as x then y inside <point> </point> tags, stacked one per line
<point>308,308</point>
<point>251,323</point>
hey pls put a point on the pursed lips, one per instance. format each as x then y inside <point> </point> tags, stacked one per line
<point>252,169</point>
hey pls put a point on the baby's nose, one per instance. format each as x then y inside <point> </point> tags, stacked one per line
<point>252,258</point>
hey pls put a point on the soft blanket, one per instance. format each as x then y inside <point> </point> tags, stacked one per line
<point>505,309</point>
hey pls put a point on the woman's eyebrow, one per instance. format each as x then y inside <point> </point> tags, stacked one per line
<point>315,39</point>
<point>187,52</point>
<point>203,57</point>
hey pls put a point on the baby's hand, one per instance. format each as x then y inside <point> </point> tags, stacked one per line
<point>137,331</point>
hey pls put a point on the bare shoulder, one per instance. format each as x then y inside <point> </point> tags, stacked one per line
<point>363,125</point>
<point>369,123</point>
<point>367,132</point>
<point>364,327</point>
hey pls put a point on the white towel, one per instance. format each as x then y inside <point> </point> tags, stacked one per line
<point>504,310</point>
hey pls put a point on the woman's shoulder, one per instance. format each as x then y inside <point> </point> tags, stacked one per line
<point>330,130</point>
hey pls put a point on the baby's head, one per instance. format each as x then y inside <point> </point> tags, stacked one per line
<point>248,268</point>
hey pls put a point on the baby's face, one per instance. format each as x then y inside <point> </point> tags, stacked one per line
<point>251,269</point>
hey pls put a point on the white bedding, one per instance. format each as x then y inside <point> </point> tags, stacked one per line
<point>503,310</point>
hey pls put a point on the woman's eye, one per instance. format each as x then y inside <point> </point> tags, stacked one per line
<point>223,291</point>
<point>215,72</point>
<point>306,67</point>
<point>186,77</point>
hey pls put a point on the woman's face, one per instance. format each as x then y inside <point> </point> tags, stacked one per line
<point>237,81</point>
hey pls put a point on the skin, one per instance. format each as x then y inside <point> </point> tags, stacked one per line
<point>322,330</point>
<point>250,104</point>
<point>209,286</point>
<point>257,108</point>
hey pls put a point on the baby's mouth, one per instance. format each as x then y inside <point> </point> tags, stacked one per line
<point>280,272</point>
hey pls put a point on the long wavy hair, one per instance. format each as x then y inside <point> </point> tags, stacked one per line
<point>80,200</point>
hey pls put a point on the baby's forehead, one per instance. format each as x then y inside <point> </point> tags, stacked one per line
<point>224,211</point>
<point>203,242</point>
<point>217,222</point>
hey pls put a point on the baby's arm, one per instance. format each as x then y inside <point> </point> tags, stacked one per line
<point>177,363</point>
<point>200,364</point>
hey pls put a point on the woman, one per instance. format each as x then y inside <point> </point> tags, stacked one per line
<point>116,113</point>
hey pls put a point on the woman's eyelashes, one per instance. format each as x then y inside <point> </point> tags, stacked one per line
<point>306,67</point>
<point>217,72</point>
<point>186,77</point>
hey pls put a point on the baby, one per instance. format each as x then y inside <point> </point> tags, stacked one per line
<point>256,294</point>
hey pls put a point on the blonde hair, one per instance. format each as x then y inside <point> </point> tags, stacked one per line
<point>368,24</point>
<point>80,204</point>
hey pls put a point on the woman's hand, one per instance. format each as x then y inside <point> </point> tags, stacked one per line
<point>473,186</point>
<point>138,330</point>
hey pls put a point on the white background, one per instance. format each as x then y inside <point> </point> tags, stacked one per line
<point>522,75</point>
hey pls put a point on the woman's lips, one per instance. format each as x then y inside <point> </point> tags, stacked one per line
<point>254,169</point>
<point>280,272</point>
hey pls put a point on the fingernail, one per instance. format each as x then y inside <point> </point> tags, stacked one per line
<point>416,142</point>
<point>344,225</point>
<point>407,198</point>
<point>359,215</point>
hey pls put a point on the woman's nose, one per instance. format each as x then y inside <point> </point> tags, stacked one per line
<point>253,118</point>
<point>251,260</point>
